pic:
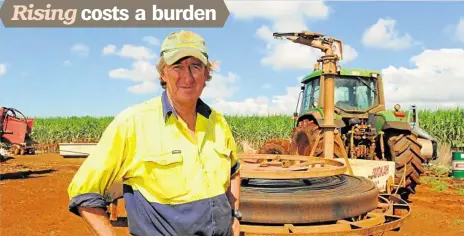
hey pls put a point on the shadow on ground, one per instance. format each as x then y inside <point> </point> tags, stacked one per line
<point>25,174</point>
<point>5,159</point>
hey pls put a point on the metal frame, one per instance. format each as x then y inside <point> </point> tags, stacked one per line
<point>271,166</point>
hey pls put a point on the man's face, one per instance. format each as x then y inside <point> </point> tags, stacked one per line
<point>185,79</point>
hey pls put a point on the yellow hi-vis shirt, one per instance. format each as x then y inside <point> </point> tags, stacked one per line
<point>174,183</point>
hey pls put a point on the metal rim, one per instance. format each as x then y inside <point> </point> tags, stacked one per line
<point>271,166</point>
<point>308,200</point>
<point>390,214</point>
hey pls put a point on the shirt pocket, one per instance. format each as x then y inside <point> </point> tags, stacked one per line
<point>224,166</point>
<point>166,171</point>
<point>223,152</point>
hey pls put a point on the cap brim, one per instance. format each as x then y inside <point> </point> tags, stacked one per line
<point>175,55</point>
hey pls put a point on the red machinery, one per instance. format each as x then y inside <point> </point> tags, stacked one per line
<point>15,131</point>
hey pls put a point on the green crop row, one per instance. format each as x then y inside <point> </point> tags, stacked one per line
<point>446,125</point>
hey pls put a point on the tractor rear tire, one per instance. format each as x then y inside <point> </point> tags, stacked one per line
<point>303,201</point>
<point>405,150</point>
<point>305,136</point>
<point>276,146</point>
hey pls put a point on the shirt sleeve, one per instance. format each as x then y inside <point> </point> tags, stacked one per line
<point>231,144</point>
<point>107,163</point>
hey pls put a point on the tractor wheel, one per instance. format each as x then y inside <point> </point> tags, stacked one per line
<point>406,152</point>
<point>275,146</point>
<point>305,136</point>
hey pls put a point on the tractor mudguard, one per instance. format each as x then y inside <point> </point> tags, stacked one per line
<point>422,134</point>
<point>433,145</point>
<point>384,120</point>
<point>317,114</point>
<point>400,125</point>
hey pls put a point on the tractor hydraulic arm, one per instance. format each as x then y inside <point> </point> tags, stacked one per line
<point>313,39</point>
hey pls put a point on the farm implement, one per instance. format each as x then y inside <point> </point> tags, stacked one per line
<point>343,110</point>
<point>15,132</point>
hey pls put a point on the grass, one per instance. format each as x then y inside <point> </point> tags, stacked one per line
<point>447,125</point>
<point>460,191</point>
<point>459,222</point>
<point>436,184</point>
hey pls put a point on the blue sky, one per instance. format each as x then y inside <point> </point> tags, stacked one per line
<point>41,74</point>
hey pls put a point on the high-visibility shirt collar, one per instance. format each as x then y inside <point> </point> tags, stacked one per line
<point>202,108</point>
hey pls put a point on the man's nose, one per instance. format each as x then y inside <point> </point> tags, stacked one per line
<point>187,75</point>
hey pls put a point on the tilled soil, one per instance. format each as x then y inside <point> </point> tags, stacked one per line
<point>34,200</point>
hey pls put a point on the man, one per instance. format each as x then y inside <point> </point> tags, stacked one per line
<point>175,154</point>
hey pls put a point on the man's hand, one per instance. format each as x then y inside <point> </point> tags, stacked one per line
<point>236,227</point>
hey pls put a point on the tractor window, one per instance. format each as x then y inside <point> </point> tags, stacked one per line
<point>307,95</point>
<point>316,91</point>
<point>354,93</point>
<point>311,94</point>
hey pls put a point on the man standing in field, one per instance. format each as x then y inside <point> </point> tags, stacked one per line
<point>175,154</point>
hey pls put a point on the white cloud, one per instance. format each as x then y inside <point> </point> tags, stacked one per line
<point>109,49</point>
<point>143,69</point>
<point>384,35</point>
<point>67,63</point>
<point>436,80</point>
<point>130,51</point>
<point>143,88</point>
<point>221,87</point>
<point>349,53</point>
<point>460,30</point>
<point>139,72</point>
<point>2,69</point>
<point>80,49</point>
<point>152,40</point>
<point>278,11</point>
<point>260,105</point>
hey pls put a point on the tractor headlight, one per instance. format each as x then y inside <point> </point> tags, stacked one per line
<point>315,104</point>
<point>375,75</point>
<point>397,107</point>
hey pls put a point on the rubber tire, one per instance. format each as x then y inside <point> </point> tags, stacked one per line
<point>276,146</point>
<point>304,137</point>
<point>339,197</point>
<point>406,152</point>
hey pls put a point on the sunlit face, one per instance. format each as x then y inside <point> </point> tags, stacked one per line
<point>185,79</point>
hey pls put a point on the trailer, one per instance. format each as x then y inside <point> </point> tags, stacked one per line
<point>15,132</point>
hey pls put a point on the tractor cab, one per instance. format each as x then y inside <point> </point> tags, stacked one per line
<point>356,92</point>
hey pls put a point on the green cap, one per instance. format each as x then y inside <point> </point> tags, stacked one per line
<point>182,44</point>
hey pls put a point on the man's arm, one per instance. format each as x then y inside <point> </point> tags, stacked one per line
<point>96,220</point>
<point>107,162</point>
<point>233,193</point>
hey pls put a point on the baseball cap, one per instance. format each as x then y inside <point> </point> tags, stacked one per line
<point>182,44</point>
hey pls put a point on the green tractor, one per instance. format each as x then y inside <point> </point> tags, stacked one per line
<point>364,128</point>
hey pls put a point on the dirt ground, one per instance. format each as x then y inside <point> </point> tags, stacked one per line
<point>34,202</point>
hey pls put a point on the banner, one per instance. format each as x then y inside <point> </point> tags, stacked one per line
<point>114,13</point>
